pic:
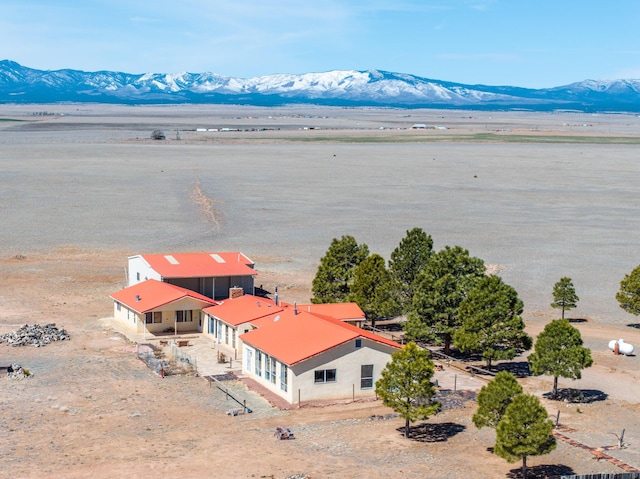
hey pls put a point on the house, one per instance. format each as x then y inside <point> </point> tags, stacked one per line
<point>154,307</point>
<point>232,317</point>
<point>303,357</point>
<point>229,319</point>
<point>210,274</point>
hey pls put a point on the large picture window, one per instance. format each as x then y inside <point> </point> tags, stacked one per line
<point>366,376</point>
<point>157,316</point>
<point>325,376</point>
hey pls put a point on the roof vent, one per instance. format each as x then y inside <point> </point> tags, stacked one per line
<point>295,308</point>
<point>137,297</point>
<point>277,318</point>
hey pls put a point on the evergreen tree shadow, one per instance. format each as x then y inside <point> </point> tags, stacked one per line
<point>577,396</point>
<point>519,369</point>
<point>577,320</point>
<point>433,432</point>
<point>542,471</point>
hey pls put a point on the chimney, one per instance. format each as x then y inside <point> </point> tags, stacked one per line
<point>295,308</point>
<point>275,297</point>
<point>235,292</point>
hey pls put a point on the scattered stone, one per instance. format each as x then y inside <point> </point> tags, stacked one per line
<point>34,335</point>
<point>15,371</point>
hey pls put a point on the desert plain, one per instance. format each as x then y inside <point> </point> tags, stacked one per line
<point>537,196</point>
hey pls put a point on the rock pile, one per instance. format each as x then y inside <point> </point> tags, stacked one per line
<point>34,335</point>
<point>15,371</point>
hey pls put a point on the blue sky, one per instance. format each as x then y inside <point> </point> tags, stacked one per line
<point>528,43</point>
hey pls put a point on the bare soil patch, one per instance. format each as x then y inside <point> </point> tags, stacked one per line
<point>83,191</point>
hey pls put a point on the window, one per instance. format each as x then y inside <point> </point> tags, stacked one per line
<point>184,316</point>
<point>148,318</point>
<point>270,369</point>
<point>258,363</point>
<point>157,316</point>
<point>233,338</point>
<point>325,376</point>
<point>358,343</point>
<point>366,376</point>
<point>138,276</point>
<point>118,306</point>
<point>283,377</point>
<point>180,316</point>
<point>248,359</point>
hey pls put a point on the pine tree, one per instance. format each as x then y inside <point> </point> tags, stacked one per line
<point>524,431</point>
<point>494,398</point>
<point>406,262</point>
<point>332,283</point>
<point>444,283</point>
<point>371,289</point>
<point>405,385</point>
<point>629,294</point>
<point>564,295</point>
<point>491,322</point>
<point>558,352</point>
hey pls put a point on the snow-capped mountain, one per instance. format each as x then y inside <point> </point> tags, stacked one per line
<point>19,84</point>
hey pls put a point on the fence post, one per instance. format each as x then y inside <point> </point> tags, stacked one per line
<point>455,382</point>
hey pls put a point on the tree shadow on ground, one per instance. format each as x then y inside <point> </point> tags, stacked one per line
<point>542,471</point>
<point>460,356</point>
<point>519,369</point>
<point>577,396</point>
<point>433,432</point>
<point>578,320</point>
<point>634,325</point>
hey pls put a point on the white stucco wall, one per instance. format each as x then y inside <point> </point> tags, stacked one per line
<point>136,321</point>
<point>139,271</point>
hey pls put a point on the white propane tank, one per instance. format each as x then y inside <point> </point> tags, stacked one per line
<point>623,348</point>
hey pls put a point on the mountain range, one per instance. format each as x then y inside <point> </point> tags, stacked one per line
<point>373,88</point>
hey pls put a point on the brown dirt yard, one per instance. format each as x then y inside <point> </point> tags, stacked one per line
<point>84,190</point>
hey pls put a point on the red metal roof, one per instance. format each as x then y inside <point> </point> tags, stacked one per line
<point>292,338</point>
<point>198,265</point>
<point>152,294</point>
<point>342,311</point>
<point>243,309</point>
